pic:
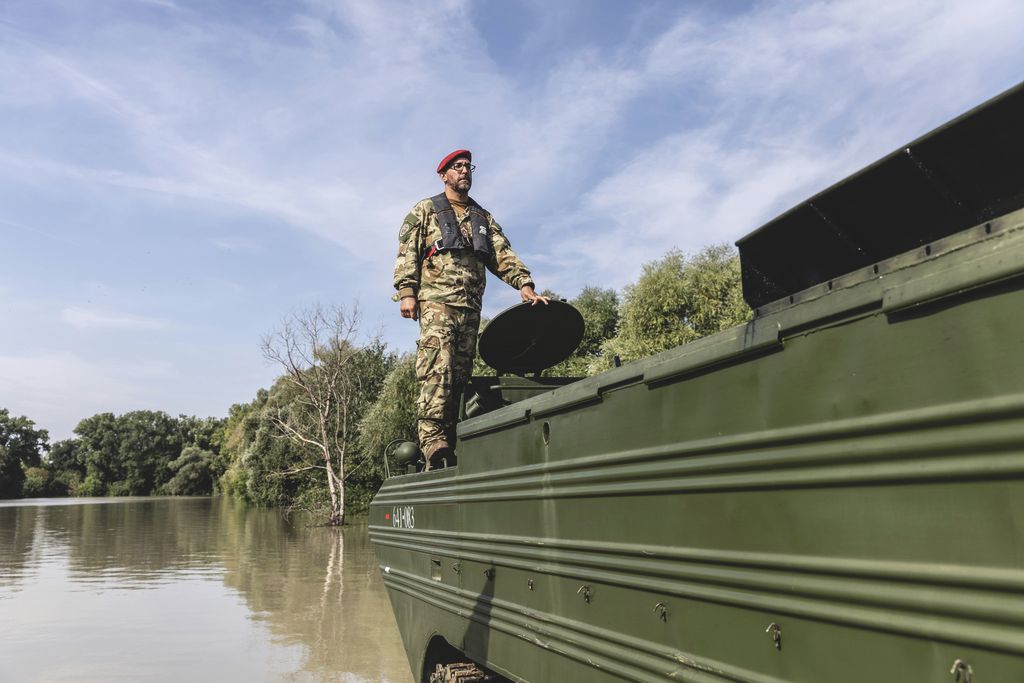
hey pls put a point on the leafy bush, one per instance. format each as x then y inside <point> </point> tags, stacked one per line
<point>91,486</point>
<point>37,483</point>
<point>193,473</point>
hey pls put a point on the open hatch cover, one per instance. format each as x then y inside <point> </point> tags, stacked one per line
<point>531,338</point>
<point>958,176</point>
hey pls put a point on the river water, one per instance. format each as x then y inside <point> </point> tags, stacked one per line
<point>175,589</point>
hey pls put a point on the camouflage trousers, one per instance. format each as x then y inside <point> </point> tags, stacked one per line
<point>444,363</point>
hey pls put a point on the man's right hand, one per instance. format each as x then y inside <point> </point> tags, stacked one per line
<point>410,307</point>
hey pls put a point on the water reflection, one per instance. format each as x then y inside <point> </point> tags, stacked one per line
<point>17,538</point>
<point>164,589</point>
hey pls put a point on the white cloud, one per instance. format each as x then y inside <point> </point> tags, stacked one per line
<point>90,319</point>
<point>166,4</point>
<point>367,102</point>
<point>37,231</point>
<point>794,99</point>
<point>237,244</point>
<point>377,102</point>
<point>56,390</point>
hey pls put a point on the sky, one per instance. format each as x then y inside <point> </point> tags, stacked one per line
<point>176,176</point>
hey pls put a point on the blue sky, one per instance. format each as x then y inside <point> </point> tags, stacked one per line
<point>177,175</point>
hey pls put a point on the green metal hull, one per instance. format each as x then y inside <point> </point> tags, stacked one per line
<point>848,467</point>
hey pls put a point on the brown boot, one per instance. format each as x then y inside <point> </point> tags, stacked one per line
<point>435,455</point>
<point>442,457</point>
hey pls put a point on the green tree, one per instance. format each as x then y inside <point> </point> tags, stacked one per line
<point>257,453</point>
<point>237,436</point>
<point>92,486</point>
<point>100,443</point>
<point>131,454</point>
<point>66,463</point>
<point>193,473</point>
<point>21,446</point>
<point>676,300</point>
<point>391,416</point>
<point>38,483</point>
<point>205,433</point>
<point>67,455</point>
<point>148,441</point>
<point>600,310</point>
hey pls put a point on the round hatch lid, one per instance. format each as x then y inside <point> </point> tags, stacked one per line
<point>526,338</point>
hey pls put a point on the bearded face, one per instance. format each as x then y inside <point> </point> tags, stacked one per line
<point>459,175</point>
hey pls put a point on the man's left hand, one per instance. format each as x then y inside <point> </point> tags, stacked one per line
<point>531,297</point>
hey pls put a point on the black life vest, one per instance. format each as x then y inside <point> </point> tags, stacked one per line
<point>451,237</point>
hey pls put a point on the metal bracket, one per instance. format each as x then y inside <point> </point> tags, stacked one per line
<point>775,631</point>
<point>962,671</point>
<point>662,611</point>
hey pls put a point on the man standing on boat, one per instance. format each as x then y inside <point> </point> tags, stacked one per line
<point>445,246</point>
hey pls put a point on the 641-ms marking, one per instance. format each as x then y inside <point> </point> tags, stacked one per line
<point>403,517</point>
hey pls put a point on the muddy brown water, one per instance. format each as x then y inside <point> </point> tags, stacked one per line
<point>165,589</point>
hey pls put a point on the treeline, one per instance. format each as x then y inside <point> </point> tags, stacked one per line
<point>140,453</point>
<point>316,438</point>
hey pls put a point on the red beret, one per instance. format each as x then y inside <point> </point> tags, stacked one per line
<point>452,157</point>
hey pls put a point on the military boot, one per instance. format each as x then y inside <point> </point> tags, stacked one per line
<point>437,456</point>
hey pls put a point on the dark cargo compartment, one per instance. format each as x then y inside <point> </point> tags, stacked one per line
<point>960,175</point>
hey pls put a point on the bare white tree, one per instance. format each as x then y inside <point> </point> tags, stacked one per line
<point>316,349</point>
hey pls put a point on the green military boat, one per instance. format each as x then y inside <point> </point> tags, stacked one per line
<point>832,492</point>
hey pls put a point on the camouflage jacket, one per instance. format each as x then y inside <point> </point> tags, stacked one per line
<point>456,278</point>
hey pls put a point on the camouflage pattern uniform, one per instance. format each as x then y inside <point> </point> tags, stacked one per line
<point>449,287</point>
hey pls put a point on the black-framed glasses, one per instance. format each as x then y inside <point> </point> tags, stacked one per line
<point>462,166</point>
